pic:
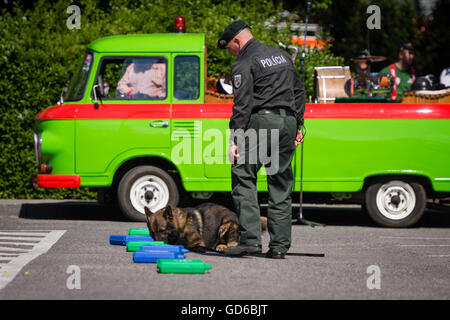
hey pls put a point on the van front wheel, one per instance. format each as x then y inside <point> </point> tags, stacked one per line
<point>395,203</point>
<point>146,186</point>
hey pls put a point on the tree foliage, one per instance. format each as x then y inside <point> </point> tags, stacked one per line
<point>39,55</point>
<point>345,23</point>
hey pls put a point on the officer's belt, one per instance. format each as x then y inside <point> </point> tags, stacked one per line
<point>280,111</point>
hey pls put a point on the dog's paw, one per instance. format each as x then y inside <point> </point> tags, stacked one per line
<point>221,247</point>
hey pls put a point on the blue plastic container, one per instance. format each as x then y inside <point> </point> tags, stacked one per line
<point>154,256</point>
<point>165,248</point>
<point>122,240</point>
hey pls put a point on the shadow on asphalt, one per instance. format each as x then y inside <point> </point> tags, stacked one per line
<point>330,216</point>
<point>336,216</point>
<point>432,218</point>
<point>71,210</point>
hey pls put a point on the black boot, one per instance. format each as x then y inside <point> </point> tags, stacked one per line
<point>275,254</point>
<point>243,249</point>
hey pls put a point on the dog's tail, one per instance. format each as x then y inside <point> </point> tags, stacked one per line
<point>263,223</point>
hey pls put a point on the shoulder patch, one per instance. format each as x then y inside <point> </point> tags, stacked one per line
<point>237,80</point>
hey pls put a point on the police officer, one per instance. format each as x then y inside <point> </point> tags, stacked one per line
<point>269,102</point>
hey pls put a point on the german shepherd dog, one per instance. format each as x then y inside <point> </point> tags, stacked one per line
<point>208,226</point>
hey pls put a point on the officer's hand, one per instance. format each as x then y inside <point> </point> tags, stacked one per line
<point>299,138</point>
<point>233,153</point>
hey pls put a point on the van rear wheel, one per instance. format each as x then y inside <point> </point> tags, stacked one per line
<point>395,203</point>
<point>146,186</point>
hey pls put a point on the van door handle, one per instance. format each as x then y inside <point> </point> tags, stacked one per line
<point>159,124</point>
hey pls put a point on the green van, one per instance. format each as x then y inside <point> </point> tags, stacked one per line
<point>138,123</point>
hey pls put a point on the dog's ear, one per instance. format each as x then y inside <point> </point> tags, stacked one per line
<point>149,214</point>
<point>147,211</point>
<point>168,213</point>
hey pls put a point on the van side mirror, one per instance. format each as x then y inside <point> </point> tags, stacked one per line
<point>61,98</point>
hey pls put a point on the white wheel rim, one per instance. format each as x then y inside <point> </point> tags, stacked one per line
<point>396,200</point>
<point>158,188</point>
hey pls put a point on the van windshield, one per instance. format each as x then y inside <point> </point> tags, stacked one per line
<point>78,83</point>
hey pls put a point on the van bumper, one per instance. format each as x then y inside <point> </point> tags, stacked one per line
<point>55,181</point>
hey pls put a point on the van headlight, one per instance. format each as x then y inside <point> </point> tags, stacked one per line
<point>37,147</point>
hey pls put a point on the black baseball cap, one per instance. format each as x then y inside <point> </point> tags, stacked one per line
<point>230,32</point>
<point>406,46</point>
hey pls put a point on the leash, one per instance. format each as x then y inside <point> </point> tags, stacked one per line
<point>305,254</point>
<point>201,249</point>
<point>204,250</point>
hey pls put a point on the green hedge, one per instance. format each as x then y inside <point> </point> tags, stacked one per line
<point>39,55</point>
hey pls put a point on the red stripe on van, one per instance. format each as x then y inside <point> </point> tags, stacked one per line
<point>327,111</point>
<point>106,111</point>
<point>377,111</point>
<point>202,111</point>
<point>224,111</point>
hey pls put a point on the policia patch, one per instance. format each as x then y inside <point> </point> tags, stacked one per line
<point>237,80</point>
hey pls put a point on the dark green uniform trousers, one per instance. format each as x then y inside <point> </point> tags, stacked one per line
<point>279,179</point>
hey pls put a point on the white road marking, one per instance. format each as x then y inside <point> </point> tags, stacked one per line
<point>18,239</point>
<point>39,234</point>
<point>9,250</point>
<point>417,238</point>
<point>425,240</point>
<point>23,256</point>
<point>424,245</point>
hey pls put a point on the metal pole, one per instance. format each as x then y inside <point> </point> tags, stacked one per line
<point>302,60</point>
<point>300,212</point>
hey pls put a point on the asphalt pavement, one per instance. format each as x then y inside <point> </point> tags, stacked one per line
<point>60,250</point>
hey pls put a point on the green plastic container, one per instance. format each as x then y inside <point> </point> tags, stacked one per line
<point>139,232</point>
<point>136,245</point>
<point>182,266</point>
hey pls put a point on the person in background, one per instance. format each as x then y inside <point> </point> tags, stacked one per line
<point>361,69</point>
<point>402,70</point>
<point>143,80</point>
<point>361,64</point>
